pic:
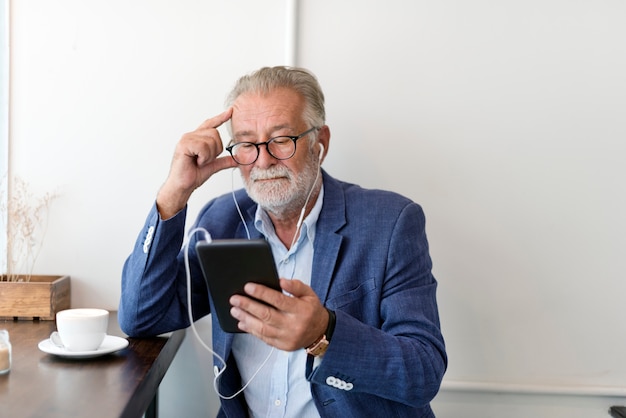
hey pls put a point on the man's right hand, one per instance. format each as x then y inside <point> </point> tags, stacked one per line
<point>195,160</point>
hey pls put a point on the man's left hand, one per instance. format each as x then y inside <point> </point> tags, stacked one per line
<point>291,321</point>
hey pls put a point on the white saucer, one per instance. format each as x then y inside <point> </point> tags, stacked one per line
<point>110,344</point>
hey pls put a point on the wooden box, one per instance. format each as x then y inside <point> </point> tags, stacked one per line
<point>40,298</point>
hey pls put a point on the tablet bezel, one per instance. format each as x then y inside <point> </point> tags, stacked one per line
<point>227,265</point>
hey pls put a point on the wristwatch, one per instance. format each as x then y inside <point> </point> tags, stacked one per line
<point>319,347</point>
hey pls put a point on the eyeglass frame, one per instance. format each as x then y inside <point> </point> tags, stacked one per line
<point>257,145</point>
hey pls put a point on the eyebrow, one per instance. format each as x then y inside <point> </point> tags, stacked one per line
<point>272,130</point>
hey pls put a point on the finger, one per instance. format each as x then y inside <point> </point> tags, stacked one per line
<point>256,293</point>
<point>296,288</point>
<point>270,296</point>
<point>218,120</point>
<point>207,170</point>
<point>222,163</point>
<point>206,148</point>
<point>246,322</point>
<point>255,318</point>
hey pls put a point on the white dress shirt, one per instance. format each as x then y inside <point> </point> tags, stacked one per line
<point>280,388</point>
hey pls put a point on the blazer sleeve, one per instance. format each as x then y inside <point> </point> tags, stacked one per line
<point>154,282</point>
<point>387,341</point>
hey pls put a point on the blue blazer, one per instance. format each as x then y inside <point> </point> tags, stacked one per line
<point>371,265</point>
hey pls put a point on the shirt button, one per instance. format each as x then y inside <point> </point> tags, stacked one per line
<point>277,402</point>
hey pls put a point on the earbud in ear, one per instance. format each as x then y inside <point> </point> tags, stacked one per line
<point>321,152</point>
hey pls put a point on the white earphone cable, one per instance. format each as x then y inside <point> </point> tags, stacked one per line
<point>195,331</point>
<point>232,190</point>
<point>306,202</point>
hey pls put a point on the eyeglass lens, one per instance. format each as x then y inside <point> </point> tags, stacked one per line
<point>281,147</point>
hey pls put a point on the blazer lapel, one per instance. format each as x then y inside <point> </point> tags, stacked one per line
<point>327,238</point>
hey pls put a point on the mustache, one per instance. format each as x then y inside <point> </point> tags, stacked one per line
<point>269,173</point>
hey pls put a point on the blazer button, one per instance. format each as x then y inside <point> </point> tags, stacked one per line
<point>148,240</point>
<point>338,383</point>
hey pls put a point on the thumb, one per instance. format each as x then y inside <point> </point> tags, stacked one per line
<point>295,287</point>
<point>218,164</point>
<point>222,163</point>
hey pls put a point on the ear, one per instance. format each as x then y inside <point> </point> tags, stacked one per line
<point>324,140</point>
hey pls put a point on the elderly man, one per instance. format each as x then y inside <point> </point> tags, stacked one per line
<point>355,332</point>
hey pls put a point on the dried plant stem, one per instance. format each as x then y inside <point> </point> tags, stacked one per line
<point>26,228</point>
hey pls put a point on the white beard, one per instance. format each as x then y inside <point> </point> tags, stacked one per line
<point>285,195</point>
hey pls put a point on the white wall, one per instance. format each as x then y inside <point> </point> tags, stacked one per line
<point>505,120</point>
<point>4,120</point>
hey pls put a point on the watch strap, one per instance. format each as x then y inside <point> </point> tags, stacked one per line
<point>319,347</point>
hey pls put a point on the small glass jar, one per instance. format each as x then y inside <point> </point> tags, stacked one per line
<point>5,352</point>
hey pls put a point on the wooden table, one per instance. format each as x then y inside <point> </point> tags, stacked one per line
<point>122,384</point>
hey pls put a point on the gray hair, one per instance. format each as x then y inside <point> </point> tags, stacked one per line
<point>300,80</point>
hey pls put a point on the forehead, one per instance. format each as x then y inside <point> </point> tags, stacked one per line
<point>263,111</point>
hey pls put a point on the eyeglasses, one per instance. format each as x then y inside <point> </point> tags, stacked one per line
<point>280,147</point>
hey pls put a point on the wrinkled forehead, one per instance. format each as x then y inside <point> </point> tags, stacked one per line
<point>256,111</point>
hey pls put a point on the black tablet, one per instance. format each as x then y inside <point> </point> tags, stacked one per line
<point>228,265</point>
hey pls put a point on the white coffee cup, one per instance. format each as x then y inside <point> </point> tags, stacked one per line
<point>81,329</point>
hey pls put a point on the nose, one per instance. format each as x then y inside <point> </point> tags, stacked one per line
<point>265,159</point>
